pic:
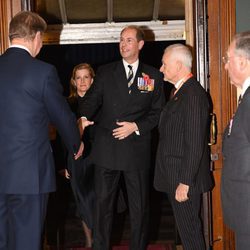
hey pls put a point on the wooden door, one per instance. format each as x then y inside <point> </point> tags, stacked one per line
<point>213,28</point>
<point>8,8</point>
<point>221,29</point>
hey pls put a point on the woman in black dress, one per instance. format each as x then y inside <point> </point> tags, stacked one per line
<point>81,172</point>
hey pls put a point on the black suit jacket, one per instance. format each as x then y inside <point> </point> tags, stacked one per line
<point>183,153</point>
<point>31,97</point>
<point>109,94</point>
<point>235,180</point>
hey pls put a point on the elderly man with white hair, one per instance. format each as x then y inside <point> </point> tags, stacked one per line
<point>235,182</point>
<point>182,163</point>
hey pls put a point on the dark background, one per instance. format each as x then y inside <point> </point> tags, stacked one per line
<point>65,57</point>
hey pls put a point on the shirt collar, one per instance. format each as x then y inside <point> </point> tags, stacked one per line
<point>134,66</point>
<point>179,83</point>
<point>20,47</point>
<point>245,86</point>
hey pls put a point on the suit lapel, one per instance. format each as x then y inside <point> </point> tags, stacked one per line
<point>171,104</point>
<point>167,109</point>
<point>183,88</point>
<point>138,73</point>
<point>246,93</point>
<point>121,81</point>
<point>134,88</point>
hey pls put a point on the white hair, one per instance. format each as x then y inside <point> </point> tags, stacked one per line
<point>182,53</point>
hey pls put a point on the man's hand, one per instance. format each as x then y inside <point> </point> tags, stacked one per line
<point>124,130</point>
<point>181,193</point>
<point>80,150</point>
<point>64,172</point>
<point>83,123</point>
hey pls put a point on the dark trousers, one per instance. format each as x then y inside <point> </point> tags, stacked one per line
<point>106,185</point>
<point>21,221</point>
<point>187,217</point>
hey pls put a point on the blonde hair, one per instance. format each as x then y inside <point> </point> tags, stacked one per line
<point>73,90</point>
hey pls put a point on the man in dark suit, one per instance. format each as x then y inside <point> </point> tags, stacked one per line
<point>130,102</point>
<point>31,97</point>
<point>235,180</point>
<point>182,161</point>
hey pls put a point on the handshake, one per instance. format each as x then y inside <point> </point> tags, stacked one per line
<point>83,122</point>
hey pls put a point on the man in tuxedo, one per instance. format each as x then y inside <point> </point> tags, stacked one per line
<point>129,96</point>
<point>182,161</point>
<point>235,181</point>
<point>31,97</point>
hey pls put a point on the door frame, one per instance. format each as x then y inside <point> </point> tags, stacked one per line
<point>221,29</point>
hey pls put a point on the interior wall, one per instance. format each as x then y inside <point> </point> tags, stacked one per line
<point>242,15</point>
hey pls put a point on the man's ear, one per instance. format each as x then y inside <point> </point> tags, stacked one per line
<point>141,43</point>
<point>243,62</point>
<point>37,38</point>
<point>179,65</point>
<point>37,35</point>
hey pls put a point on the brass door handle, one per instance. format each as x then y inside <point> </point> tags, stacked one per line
<point>213,130</point>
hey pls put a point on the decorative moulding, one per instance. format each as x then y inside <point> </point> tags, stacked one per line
<point>110,32</point>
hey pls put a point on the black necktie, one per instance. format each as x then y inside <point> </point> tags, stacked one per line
<point>172,92</point>
<point>130,77</point>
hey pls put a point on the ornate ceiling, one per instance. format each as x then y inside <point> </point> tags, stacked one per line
<point>94,21</point>
<point>101,11</point>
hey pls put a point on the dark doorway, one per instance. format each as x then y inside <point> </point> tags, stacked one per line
<point>65,57</point>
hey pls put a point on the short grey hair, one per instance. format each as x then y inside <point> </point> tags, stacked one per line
<point>26,24</point>
<point>182,53</point>
<point>242,44</point>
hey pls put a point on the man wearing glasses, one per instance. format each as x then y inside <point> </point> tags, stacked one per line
<point>235,182</point>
